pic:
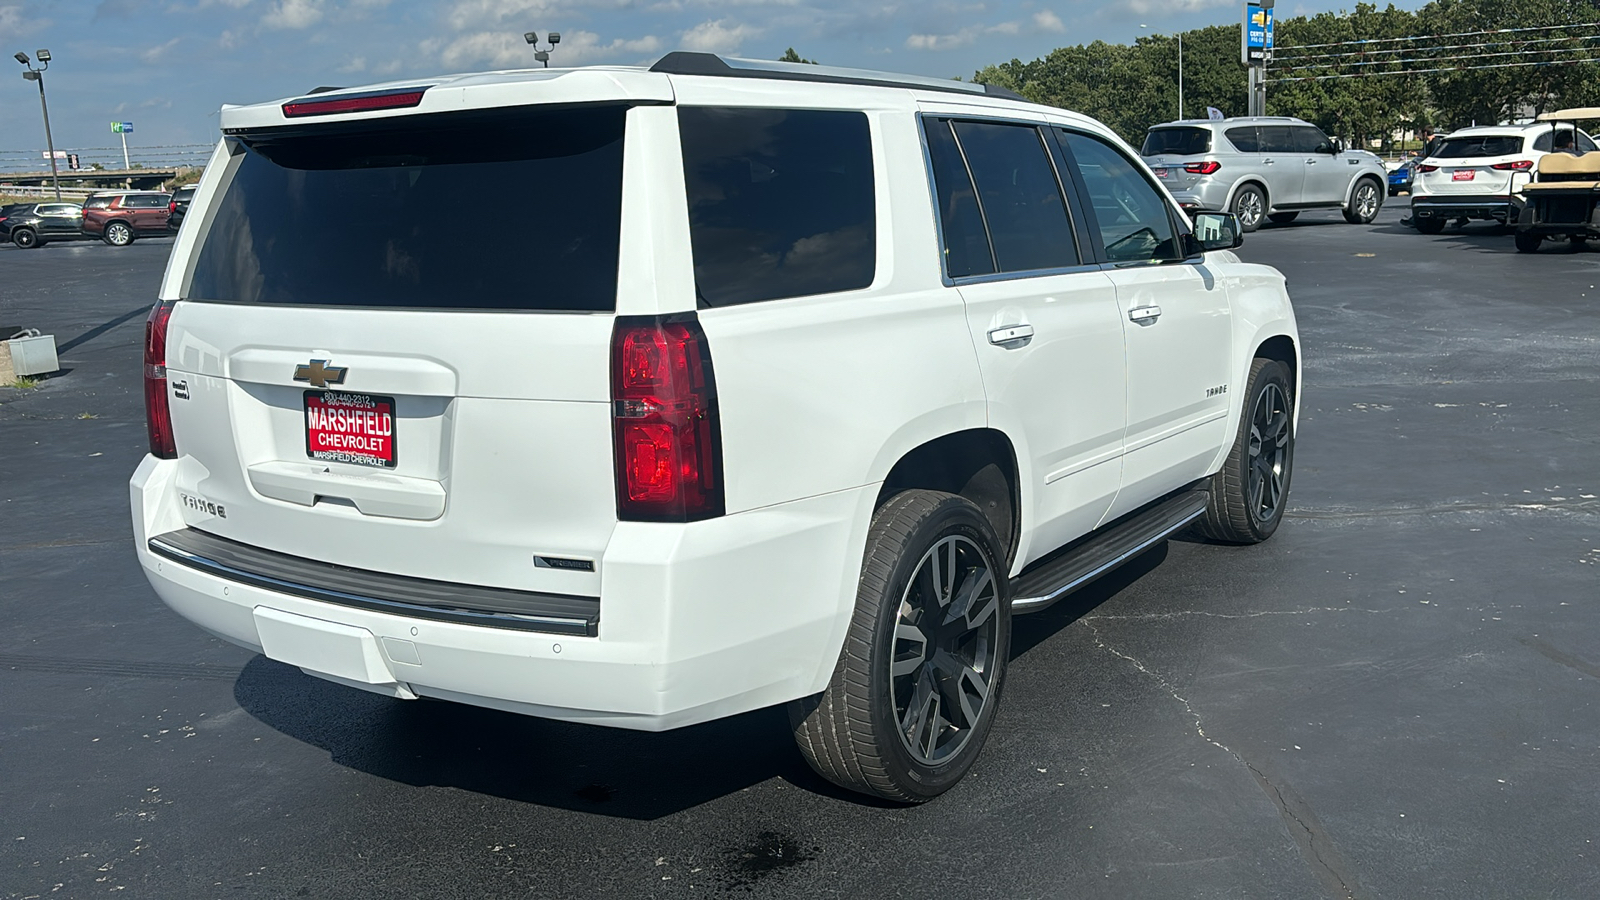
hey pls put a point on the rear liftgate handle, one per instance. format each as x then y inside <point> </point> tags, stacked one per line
<point>1145,315</point>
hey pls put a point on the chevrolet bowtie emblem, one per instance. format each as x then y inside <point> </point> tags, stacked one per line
<point>320,374</point>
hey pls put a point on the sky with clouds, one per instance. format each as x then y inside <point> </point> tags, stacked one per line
<point>167,65</point>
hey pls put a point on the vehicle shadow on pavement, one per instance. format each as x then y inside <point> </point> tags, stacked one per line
<point>587,768</point>
<point>1034,629</point>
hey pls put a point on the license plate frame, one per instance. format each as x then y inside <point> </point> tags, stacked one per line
<point>373,441</point>
<point>1163,172</point>
<point>1464,175</point>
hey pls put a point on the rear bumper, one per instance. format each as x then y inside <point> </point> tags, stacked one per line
<point>1205,195</point>
<point>1472,206</point>
<point>700,621</point>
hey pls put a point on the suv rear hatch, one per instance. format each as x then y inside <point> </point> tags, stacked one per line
<point>392,349</point>
<point>1174,154</point>
<point>1477,165</point>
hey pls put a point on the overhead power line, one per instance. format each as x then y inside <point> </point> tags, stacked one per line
<point>1429,37</point>
<point>1555,62</point>
<point>1430,59</point>
<point>1362,54</point>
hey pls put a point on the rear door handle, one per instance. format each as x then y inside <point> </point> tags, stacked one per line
<point>1144,314</point>
<point>1008,333</point>
<point>1269,161</point>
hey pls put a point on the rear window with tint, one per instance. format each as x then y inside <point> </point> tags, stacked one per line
<point>98,202</point>
<point>1472,147</point>
<point>515,209</point>
<point>780,202</point>
<point>1178,141</point>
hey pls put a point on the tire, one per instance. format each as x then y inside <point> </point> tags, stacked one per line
<point>25,238</point>
<point>1528,242</point>
<point>851,733</point>
<point>1365,201</point>
<point>1250,205</point>
<point>1283,218</point>
<point>1250,492</point>
<point>1430,225</point>
<point>119,234</point>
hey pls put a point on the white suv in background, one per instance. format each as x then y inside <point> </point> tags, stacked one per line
<point>1477,172</point>
<point>794,385</point>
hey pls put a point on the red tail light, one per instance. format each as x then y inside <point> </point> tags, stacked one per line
<point>354,103</point>
<point>664,421</point>
<point>172,206</point>
<point>157,411</point>
<point>1202,168</point>
<point>1427,168</point>
<point>1516,165</point>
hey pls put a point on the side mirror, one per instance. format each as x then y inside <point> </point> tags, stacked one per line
<point>1215,231</point>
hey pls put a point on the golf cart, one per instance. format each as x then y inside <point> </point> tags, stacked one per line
<point>1561,200</point>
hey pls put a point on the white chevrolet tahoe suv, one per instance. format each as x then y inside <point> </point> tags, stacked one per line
<point>646,397</point>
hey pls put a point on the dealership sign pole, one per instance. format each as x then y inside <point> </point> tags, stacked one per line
<point>1255,50</point>
<point>122,128</point>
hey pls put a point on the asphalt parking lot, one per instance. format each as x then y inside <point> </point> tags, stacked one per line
<point>1395,697</point>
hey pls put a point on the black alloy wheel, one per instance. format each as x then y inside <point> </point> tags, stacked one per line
<point>1269,451</point>
<point>1250,492</point>
<point>919,678</point>
<point>945,638</point>
<point>26,238</point>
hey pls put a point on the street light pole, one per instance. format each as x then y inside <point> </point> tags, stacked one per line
<point>1180,70</point>
<point>38,75</point>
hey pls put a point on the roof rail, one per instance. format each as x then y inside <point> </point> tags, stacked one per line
<point>683,62</point>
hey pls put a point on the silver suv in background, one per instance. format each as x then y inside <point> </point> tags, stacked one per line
<point>1263,167</point>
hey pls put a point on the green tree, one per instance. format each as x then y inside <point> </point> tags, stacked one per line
<point>790,56</point>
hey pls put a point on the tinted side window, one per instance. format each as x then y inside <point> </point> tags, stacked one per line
<point>144,201</point>
<point>1244,139</point>
<point>1020,197</point>
<point>97,202</point>
<point>781,202</point>
<point>1133,219</point>
<point>1276,139</point>
<point>966,241</point>
<point>1585,143</point>
<point>1310,140</point>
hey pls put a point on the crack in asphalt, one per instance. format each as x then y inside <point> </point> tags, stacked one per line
<point>1303,828</point>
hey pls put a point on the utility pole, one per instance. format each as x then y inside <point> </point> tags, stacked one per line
<point>38,75</point>
<point>1255,49</point>
<point>1180,75</point>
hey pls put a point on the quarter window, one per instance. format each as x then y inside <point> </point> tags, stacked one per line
<point>1019,196</point>
<point>1134,221</point>
<point>781,202</point>
<point>1244,139</point>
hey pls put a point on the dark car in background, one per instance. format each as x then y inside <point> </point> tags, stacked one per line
<point>30,225</point>
<point>121,216</point>
<point>178,205</point>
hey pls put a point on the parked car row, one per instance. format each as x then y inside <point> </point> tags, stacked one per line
<point>116,217</point>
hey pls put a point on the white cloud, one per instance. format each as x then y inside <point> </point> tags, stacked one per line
<point>388,68</point>
<point>1045,20</point>
<point>940,41</point>
<point>13,22</point>
<point>359,64</point>
<point>293,14</point>
<point>718,36</point>
<point>154,54</point>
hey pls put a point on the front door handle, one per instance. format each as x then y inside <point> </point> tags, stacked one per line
<point>1008,333</point>
<point>1144,315</point>
<point>1311,162</point>
<point>1270,161</point>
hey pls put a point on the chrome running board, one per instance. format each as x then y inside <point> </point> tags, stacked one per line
<point>1075,565</point>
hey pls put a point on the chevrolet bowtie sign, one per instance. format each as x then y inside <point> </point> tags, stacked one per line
<point>319,373</point>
